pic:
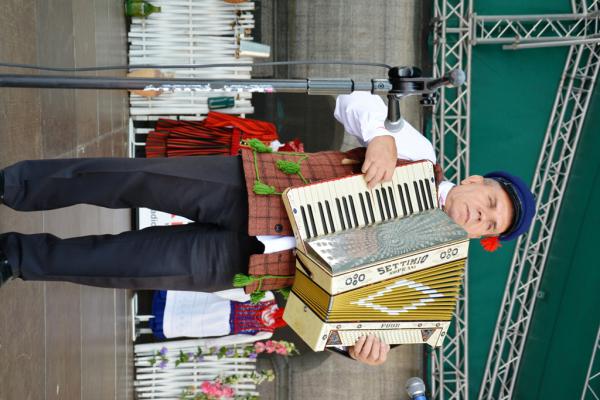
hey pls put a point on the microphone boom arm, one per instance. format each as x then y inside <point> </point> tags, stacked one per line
<point>401,82</point>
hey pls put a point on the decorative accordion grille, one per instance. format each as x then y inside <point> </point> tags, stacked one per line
<point>427,295</point>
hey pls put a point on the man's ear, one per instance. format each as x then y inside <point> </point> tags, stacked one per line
<point>472,179</point>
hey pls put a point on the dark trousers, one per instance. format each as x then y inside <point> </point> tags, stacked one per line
<point>204,255</point>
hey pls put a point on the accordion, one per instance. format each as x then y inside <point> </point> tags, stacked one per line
<point>385,261</point>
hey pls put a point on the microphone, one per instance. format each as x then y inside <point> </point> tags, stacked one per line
<point>394,121</point>
<point>455,78</point>
<point>415,387</point>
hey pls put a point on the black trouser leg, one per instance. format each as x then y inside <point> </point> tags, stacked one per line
<point>207,189</point>
<point>186,257</point>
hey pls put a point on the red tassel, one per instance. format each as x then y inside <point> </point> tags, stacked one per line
<point>491,243</point>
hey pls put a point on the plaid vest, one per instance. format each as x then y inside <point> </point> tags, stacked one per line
<point>267,214</point>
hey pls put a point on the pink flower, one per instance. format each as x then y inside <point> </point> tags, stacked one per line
<point>281,349</point>
<point>259,347</point>
<point>270,346</point>
<point>205,387</point>
<point>227,391</point>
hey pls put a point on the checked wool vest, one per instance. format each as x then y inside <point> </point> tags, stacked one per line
<point>267,214</point>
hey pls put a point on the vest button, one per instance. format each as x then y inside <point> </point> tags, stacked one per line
<point>278,228</point>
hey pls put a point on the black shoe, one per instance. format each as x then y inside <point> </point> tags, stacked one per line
<point>5,269</point>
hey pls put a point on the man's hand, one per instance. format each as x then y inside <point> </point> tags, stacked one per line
<point>369,350</point>
<point>380,160</point>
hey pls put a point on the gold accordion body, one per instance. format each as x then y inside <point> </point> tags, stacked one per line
<point>385,261</point>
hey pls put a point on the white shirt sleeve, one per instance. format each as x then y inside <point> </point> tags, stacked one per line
<point>363,116</point>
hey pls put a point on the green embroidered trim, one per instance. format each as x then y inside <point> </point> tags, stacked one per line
<point>241,280</point>
<point>257,296</point>
<point>288,167</point>
<point>292,168</point>
<point>259,146</point>
<point>263,188</point>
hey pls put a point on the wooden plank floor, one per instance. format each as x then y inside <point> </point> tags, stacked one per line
<point>58,340</point>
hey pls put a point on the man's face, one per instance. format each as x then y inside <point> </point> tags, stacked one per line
<point>480,206</point>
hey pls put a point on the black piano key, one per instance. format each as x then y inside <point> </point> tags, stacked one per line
<point>364,208</point>
<point>380,203</point>
<point>370,204</point>
<point>330,216</point>
<point>353,209</point>
<point>402,202</point>
<point>429,192</point>
<point>312,221</point>
<point>424,195</point>
<point>346,211</point>
<point>409,200</point>
<point>391,194</point>
<point>305,221</point>
<point>386,203</point>
<point>416,187</point>
<point>323,220</point>
<point>340,213</point>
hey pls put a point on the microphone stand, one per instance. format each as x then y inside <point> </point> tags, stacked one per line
<point>401,82</point>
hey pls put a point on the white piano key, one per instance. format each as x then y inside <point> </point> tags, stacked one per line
<point>396,179</point>
<point>332,195</point>
<point>310,209</point>
<point>320,211</point>
<point>357,188</point>
<point>305,233</point>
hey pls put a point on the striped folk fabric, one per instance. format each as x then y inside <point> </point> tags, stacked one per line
<point>217,134</point>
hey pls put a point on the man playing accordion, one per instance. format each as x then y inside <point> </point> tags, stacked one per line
<point>240,225</point>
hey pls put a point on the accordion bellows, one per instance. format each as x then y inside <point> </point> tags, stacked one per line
<point>397,276</point>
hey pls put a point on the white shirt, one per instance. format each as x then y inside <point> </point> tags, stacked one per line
<point>363,116</point>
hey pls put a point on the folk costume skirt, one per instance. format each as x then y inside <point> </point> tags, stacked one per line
<point>202,256</point>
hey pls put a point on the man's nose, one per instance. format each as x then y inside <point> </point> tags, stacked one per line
<point>486,214</point>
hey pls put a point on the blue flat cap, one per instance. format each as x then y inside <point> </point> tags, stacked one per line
<point>523,203</point>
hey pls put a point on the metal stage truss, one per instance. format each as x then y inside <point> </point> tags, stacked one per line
<point>593,374</point>
<point>450,133</point>
<point>456,30</point>
<point>549,183</point>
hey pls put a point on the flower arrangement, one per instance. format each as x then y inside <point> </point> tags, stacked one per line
<point>221,388</point>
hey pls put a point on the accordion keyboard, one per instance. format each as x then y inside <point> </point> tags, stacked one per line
<point>391,336</point>
<point>347,203</point>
